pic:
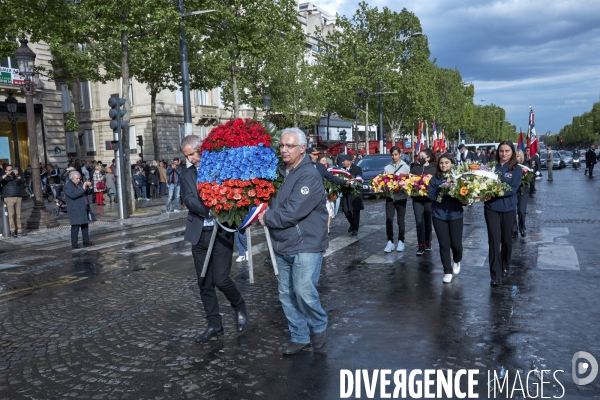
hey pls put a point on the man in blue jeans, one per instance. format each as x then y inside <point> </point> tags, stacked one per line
<point>297,220</point>
<point>173,172</point>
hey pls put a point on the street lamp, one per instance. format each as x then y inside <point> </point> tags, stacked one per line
<point>267,102</point>
<point>39,216</point>
<point>359,93</point>
<point>11,105</point>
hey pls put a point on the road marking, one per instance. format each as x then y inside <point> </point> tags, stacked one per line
<point>104,245</point>
<point>381,257</point>
<point>548,235</point>
<point>344,241</point>
<point>64,280</point>
<point>154,245</point>
<point>163,233</point>
<point>557,257</point>
<point>7,266</point>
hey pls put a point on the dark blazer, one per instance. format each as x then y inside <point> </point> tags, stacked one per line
<point>352,202</point>
<point>197,210</point>
<point>76,206</point>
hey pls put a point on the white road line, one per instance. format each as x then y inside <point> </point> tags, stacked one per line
<point>154,245</point>
<point>8,266</point>
<point>381,257</point>
<point>103,245</point>
<point>163,233</point>
<point>557,257</point>
<point>345,241</point>
<point>548,235</point>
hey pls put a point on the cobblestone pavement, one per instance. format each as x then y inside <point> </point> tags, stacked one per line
<point>118,320</point>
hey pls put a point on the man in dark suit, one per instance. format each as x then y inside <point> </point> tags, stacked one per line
<point>480,156</point>
<point>352,204</point>
<point>198,230</point>
<point>465,154</point>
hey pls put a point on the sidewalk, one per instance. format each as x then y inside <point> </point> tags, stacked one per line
<point>150,212</point>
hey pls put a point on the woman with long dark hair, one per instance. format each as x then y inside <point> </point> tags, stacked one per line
<point>422,204</point>
<point>447,219</point>
<point>500,213</point>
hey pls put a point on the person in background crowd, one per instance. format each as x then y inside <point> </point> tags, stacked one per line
<point>422,204</point>
<point>162,177</point>
<point>297,221</point>
<point>136,178</point>
<point>480,156</point>
<point>330,205</point>
<point>500,213</point>
<point>464,154</point>
<point>28,179</point>
<point>144,185</point>
<point>99,185</point>
<point>352,204</point>
<point>11,181</point>
<point>85,172</point>
<point>522,199</point>
<point>111,188</point>
<point>447,220</point>
<point>53,178</point>
<point>492,155</point>
<point>198,232</point>
<point>590,160</point>
<point>173,172</point>
<point>78,207</point>
<point>153,182</point>
<point>241,244</point>
<point>395,203</point>
<point>549,163</point>
<point>534,164</point>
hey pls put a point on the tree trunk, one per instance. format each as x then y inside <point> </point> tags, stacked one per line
<point>129,195</point>
<point>234,90</point>
<point>78,149</point>
<point>153,92</point>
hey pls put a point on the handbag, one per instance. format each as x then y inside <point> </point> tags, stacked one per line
<point>100,185</point>
<point>90,215</point>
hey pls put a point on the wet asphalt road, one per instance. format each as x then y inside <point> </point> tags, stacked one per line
<point>117,320</point>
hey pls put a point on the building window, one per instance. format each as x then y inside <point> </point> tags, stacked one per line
<point>220,94</point>
<point>132,140</point>
<point>201,97</point>
<point>86,95</point>
<point>178,95</point>
<point>9,62</point>
<point>130,90</point>
<point>70,142</point>
<point>66,99</point>
<point>90,142</point>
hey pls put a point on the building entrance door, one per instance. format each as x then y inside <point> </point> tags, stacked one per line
<point>7,147</point>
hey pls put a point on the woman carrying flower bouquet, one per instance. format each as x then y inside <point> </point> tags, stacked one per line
<point>500,213</point>
<point>447,219</point>
<point>522,199</point>
<point>422,204</point>
<point>395,202</point>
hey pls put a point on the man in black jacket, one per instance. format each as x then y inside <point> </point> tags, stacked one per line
<point>11,195</point>
<point>590,160</point>
<point>465,154</point>
<point>352,204</point>
<point>198,230</point>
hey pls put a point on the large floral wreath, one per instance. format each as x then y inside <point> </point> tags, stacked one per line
<point>237,170</point>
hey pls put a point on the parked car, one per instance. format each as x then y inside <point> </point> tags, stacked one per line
<point>557,162</point>
<point>373,165</point>
<point>567,157</point>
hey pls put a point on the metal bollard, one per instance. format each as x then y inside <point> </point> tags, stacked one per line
<point>5,225</point>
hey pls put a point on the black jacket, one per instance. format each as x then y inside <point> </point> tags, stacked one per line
<point>590,157</point>
<point>11,186</point>
<point>418,169</point>
<point>197,211</point>
<point>76,202</point>
<point>349,201</point>
<point>328,175</point>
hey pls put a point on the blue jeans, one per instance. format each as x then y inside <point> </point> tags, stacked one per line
<point>173,197</point>
<point>298,278</point>
<point>241,243</point>
<point>144,196</point>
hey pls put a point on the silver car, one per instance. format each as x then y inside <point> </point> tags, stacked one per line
<point>556,160</point>
<point>567,157</point>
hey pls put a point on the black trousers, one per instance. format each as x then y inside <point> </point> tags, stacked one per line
<point>449,234</point>
<point>217,274</point>
<point>399,207</point>
<point>353,218</point>
<point>75,233</point>
<point>522,200</point>
<point>422,210</point>
<point>591,169</point>
<point>499,227</point>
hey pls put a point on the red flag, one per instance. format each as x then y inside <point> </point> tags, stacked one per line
<point>521,145</point>
<point>443,141</point>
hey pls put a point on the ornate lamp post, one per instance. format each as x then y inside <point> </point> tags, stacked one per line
<point>39,216</point>
<point>267,102</point>
<point>11,104</point>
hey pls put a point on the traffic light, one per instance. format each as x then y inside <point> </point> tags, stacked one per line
<point>116,114</point>
<point>343,136</point>
<point>384,136</point>
<point>140,140</point>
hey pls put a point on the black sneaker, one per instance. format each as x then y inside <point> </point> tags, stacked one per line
<point>427,246</point>
<point>421,250</point>
<point>14,235</point>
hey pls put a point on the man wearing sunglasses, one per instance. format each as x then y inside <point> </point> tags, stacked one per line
<point>297,220</point>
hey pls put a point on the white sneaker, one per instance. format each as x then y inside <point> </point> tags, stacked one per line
<point>456,268</point>
<point>400,246</point>
<point>389,247</point>
<point>447,278</point>
<point>240,259</point>
<point>175,210</point>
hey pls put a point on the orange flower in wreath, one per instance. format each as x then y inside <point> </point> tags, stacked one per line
<point>464,191</point>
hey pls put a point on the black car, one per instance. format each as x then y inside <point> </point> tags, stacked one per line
<point>373,165</point>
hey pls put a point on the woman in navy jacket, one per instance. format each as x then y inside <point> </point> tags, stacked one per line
<point>500,213</point>
<point>447,219</point>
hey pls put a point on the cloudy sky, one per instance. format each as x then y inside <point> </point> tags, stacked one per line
<point>543,53</point>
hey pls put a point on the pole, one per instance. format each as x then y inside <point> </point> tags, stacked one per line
<point>328,115</point>
<point>15,133</point>
<point>39,216</point>
<point>185,77</point>
<point>120,172</point>
<point>366,126</point>
<point>5,223</point>
<point>382,146</point>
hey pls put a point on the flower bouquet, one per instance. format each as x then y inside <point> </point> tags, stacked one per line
<point>237,171</point>
<point>355,183</point>
<point>414,185</point>
<point>473,185</point>
<point>528,176</point>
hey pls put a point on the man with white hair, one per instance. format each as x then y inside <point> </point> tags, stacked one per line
<point>297,220</point>
<point>78,207</point>
<point>198,230</point>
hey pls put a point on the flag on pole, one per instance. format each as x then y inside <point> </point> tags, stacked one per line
<point>421,136</point>
<point>521,144</point>
<point>442,141</point>
<point>418,144</point>
<point>532,139</point>
<point>436,142</point>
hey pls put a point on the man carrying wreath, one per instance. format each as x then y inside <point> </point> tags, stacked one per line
<point>198,229</point>
<point>297,222</point>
